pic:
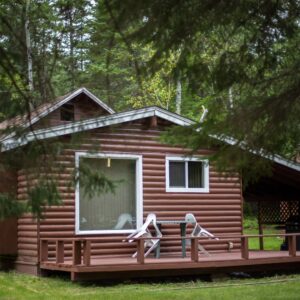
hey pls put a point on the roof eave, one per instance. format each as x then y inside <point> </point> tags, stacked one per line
<point>11,143</point>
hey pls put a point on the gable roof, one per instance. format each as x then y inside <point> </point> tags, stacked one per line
<point>46,108</point>
<point>9,142</point>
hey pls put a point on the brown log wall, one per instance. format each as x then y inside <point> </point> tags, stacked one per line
<point>219,211</point>
<point>8,227</point>
<point>27,225</point>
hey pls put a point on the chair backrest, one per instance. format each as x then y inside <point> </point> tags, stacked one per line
<point>122,220</point>
<point>151,218</point>
<point>190,218</point>
<point>198,229</point>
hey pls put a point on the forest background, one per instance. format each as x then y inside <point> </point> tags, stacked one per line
<point>233,68</point>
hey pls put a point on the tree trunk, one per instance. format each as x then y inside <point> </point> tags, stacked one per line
<point>28,46</point>
<point>230,98</point>
<point>107,77</point>
<point>71,37</point>
<point>178,96</point>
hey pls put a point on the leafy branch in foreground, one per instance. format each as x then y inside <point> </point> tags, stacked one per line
<point>43,194</point>
<point>242,57</point>
<point>10,207</point>
<point>94,182</point>
<point>228,159</point>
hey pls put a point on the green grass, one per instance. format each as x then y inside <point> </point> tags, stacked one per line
<point>16,286</point>
<point>270,243</point>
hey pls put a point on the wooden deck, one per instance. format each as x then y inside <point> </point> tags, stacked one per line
<point>114,267</point>
<point>83,265</point>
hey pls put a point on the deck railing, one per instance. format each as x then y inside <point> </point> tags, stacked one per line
<point>81,247</point>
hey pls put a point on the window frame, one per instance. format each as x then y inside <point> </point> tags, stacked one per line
<point>186,189</point>
<point>139,191</point>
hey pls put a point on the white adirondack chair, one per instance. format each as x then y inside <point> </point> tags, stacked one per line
<point>144,231</point>
<point>123,220</point>
<point>198,231</point>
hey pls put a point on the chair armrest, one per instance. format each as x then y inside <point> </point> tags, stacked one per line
<point>130,236</point>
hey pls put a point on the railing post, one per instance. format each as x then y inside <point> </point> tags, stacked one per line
<point>260,228</point>
<point>244,249</point>
<point>44,250</point>
<point>194,250</point>
<point>76,252</point>
<point>87,253</point>
<point>140,251</point>
<point>292,245</point>
<point>59,252</point>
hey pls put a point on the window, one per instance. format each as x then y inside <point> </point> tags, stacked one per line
<point>187,175</point>
<point>67,112</point>
<point>107,212</point>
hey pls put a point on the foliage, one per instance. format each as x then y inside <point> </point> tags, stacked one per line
<point>270,243</point>
<point>238,60</point>
<point>227,158</point>
<point>250,209</point>
<point>17,286</point>
<point>250,223</point>
<point>60,47</point>
<point>244,57</point>
<point>158,88</point>
<point>44,193</point>
<point>9,207</point>
<point>93,181</point>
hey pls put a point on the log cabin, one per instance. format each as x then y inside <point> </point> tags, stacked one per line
<point>81,235</point>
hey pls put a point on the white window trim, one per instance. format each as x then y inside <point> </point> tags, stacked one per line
<point>186,189</point>
<point>139,191</point>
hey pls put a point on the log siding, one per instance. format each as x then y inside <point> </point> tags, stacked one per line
<point>219,211</point>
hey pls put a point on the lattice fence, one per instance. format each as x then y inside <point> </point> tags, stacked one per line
<point>277,212</point>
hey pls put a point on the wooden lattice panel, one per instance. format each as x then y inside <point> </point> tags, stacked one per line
<point>277,212</point>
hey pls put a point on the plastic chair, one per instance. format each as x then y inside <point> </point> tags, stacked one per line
<point>123,220</point>
<point>198,231</point>
<point>144,231</point>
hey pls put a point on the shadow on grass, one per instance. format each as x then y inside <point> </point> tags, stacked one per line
<point>180,280</point>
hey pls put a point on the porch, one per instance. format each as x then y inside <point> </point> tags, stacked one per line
<point>83,266</point>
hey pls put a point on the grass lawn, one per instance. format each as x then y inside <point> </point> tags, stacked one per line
<point>17,286</point>
<point>270,243</point>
